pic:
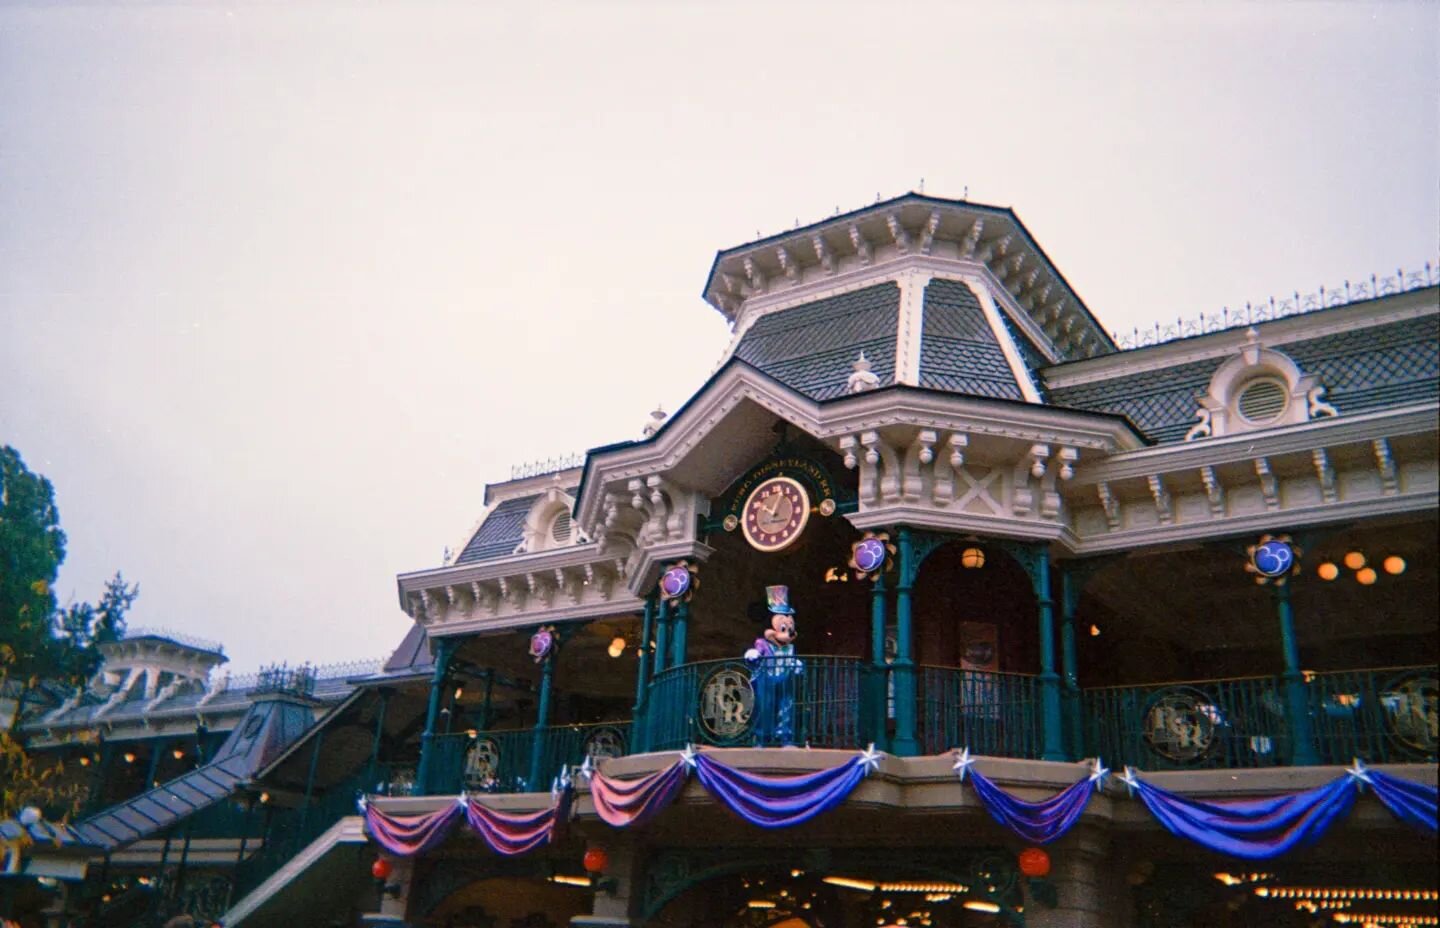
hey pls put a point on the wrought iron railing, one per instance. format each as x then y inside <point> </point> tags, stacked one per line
<point>291,830</point>
<point>501,761</point>
<point>1294,305</point>
<point>1192,724</point>
<point>1390,715</point>
<point>988,712</point>
<point>773,701</point>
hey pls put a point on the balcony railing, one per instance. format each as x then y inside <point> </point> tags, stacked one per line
<point>1382,716</point>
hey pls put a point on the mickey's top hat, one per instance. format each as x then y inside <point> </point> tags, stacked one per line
<point>778,600</point>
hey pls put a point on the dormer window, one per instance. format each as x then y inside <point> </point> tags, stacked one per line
<point>1258,388</point>
<point>1262,400</point>
<point>549,524</point>
<point>560,528</point>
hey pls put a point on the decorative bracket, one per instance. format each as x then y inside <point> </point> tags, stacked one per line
<point>1389,479</point>
<point>1269,484</point>
<point>927,237</point>
<point>898,233</point>
<point>1110,504</point>
<point>823,253</point>
<point>862,247</point>
<point>1164,508</point>
<point>1326,473</point>
<point>1214,492</point>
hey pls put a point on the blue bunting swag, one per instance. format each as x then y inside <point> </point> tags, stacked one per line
<point>782,801</point>
<point>1253,829</point>
<point>1036,822</point>
<point>1412,803</point>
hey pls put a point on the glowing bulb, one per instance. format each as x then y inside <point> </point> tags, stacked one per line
<point>972,558</point>
<point>1394,565</point>
<point>84,761</point>
<point>178,753</point>
<point>1365,576</point>
<point>1094,631</point>
<point>459,691</point>
<point>129,757</point>
<point>617,647</point>
<point>264,797</point>
<point>1354,560</point>
<point>1327,571</point>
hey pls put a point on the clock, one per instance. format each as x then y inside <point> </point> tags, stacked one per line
<point>775,514</point>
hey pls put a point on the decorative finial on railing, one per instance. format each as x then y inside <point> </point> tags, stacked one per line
<point>549,466</point>
<point>1293,305</point>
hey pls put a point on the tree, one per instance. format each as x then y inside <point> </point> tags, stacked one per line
<point>32,546</point>
<point>82,628</point>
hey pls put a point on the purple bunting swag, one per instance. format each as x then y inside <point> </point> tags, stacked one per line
<point>506,833</point>
<point>627,803</point>
<point>1253,829</point>
<point>1037,822</point>
<point>782,801</point>
<point>1412,803</point>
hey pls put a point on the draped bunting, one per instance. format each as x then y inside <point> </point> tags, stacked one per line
<point>1036,822</point>
<point>1255,829</point>
<point>781,801</point>
<point>627,803</point>
<point>506,833</point>
<point>1412,803</point>
<point>408,835</point>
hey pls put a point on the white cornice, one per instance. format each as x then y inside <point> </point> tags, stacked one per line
<point>958,522</point>
<point>1274,334</point>
<point>622,603</point>
<point>1317,433</point>
<point>571,556</point>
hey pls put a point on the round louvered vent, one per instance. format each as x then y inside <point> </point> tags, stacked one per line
<point>1263,401</point>
<point>560,528</point>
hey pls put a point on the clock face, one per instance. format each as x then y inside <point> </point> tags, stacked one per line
<point>775,514</point>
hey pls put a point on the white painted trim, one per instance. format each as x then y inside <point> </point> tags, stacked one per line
<point>619,604</point>
<point>1002,336</point>
<point>349,830</point>
<point>910,323</point>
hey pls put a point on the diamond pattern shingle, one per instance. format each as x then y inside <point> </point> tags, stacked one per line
<point>958,352</point>
<point>812,348</point>
<point>1362,370</point>
<point>499,533</point>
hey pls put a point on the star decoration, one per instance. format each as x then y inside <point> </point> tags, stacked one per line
<point>1131,781</point>
<point>587,769</point>
<point>963,760</point>
<point>1358,772</point>
<point>360,804</point>
<point>1098,773</point>
<point>688,756</point>
<point>462,801</point>
<point>870,759</point>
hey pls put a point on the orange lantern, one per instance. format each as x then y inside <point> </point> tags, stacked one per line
<point>381,869</point>
<point>1034,862</point>
<point>596,860</point>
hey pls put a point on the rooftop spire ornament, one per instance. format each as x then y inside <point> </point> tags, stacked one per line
<point>1273,559</point>
<point>862,378</point>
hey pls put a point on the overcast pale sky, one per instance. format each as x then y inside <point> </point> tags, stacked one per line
<point>282,285</point>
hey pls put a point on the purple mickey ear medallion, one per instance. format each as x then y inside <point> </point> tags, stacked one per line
<point>870,554</point>
<point>675,582</point>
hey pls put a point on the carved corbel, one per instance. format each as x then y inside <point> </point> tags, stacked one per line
<point>972,238</point>
<point>1110,504</point>
<point>455,600</point>
<point>927,236</point>
<point>513,593</point>
<point>1050,501</point>
<point>430,603</point>
<point>1163,506</point>
<point>1214,492</point>
<point>880,455</point>
<point>898,233</point>
<point>571,584</point>
<point>943,486</point>
<point>1389,478</point>
<point>1269,484</point>
<point>862,247</point>
<point>484,597</point>
<point>1028,468</point>
<point>540,588</point>
<point>823,253</point>
<point>755,275</point>
<point>732,284</point>
<point>1326,474</point>
<point>788,264</point>
<point>920,453</point>
<point>662,508</point>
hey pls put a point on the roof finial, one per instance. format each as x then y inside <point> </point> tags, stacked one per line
<point>863,378</point>
<point>652,424</point>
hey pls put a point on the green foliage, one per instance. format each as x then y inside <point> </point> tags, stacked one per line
<point>32,547</point>
<point>81,628</point>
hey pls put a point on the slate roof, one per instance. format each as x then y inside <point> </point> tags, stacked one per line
<point>1363,370</point>
<point>501,531</point>
<point>958,351</point>
<point>43,833</point>
<point>269,727</point>
<point>812,348</point>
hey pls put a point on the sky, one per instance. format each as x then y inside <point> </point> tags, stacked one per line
<point>283,285</point>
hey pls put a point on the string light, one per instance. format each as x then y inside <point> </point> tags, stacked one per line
<point>617,647</point>
<point>1366,576</point>
<point>1394,565</point>
<point>1327,571</point>
<point>1354,560</point>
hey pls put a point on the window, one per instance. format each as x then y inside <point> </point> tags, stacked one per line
<point>560,528</point>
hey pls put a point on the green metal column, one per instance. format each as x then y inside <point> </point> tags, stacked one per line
<point>376,738</point>
<point>642,676</point>
<point>444,650</point>
<point>157,745</point>
<point>310,777</point>
<point>681,611</point>
<point>662,636</point>
<point>542,721</point>
<point>879,696</point>
<point>1051,726</point>
<point>903,670</point>
<point>1070,585</point>
<point>1297,700</point>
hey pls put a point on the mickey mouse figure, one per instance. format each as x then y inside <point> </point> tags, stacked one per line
<point>773,669</point>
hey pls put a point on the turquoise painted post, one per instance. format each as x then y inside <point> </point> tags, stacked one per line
<point>373,769</point>
<point>542,721</point>
<point>1297,701</point>
<point>637,725</point>
<point>678,635</point>
<point>903,670</point>
<point>1052,746</point>
<point>444,649</point>
<point>487,707</point>
<point>1069,663</point>
<point>310,778</point>
<point>662,636</point>
<point>878,667</point>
